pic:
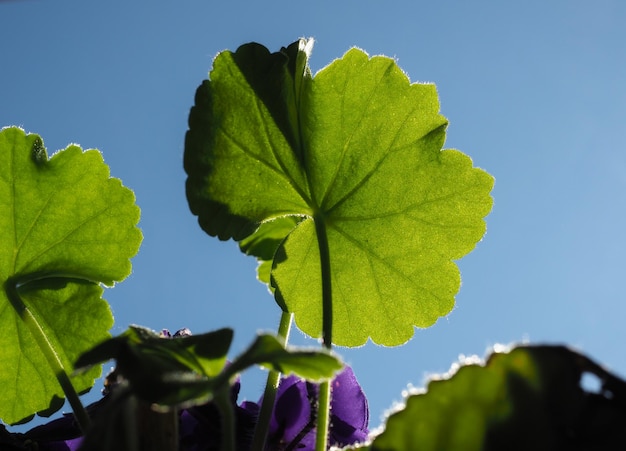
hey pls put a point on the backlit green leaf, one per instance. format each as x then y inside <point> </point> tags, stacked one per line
<point>176,371</point>
<point>529,398</point>
<point>310,364</point>
<point>190,370</point>
<point>357,150</point>
<point>264,242</point>
<point>65,227</point>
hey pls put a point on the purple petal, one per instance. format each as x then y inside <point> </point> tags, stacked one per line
<point>293,422</point>
<point>74,444</point>
<point>292,411</point>
<point>65,445</point>
<point>349,409</point>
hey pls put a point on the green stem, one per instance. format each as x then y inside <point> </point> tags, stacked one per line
<point>269,395</point>
<point>227,417</point>
<point>49,353</point>
<point>323,417</point>
<point>327,292</point>
<point>323,413</point>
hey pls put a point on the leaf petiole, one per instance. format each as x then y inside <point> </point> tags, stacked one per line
<point>323,414</point>
<point>227,416</point>
<point>49,353</point>
<point>327,292</point>
<point>323,417</point>
<point>269,395</point>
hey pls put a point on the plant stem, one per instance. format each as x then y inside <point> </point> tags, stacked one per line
<point>327,291</point>
<point>323,413</point>
<point>323,417</point>
<point>269,395</point>
<point>49,353</point>
<point>227,416</point>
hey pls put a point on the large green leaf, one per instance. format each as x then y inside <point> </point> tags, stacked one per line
<point>356,151</point>
<point>529,398</point>
<point>65,227</point>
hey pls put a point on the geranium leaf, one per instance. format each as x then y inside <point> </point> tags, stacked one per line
<point>355,151</point>
<point>66,226</point>
<point>177,371</point>
<point>268,351</point>
<point>153,354</point>
<point>189,370</point>
<point>262,191</point>
<point>265,240</point>
<point>529,398</point>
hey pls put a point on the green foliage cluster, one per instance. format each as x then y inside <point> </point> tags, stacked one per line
<point>187,371</point>
<point>339,185</point>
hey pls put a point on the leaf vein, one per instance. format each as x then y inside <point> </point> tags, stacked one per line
<point>276,171</point>
<point>369,253</point>
<point>390,151</point>
<point>72,231</point>
<point>364,113</point>
<point>409,208</point>
<point>276,155</point>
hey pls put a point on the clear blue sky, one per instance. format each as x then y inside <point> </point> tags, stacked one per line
<point>535,93</point>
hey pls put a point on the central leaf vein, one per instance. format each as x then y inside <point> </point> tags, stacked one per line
<point>364,112</point>
<point>411,208</point>
<point>276,155</point>
<point>245,150</point>
<point>79,226</point>
<point>376,168</point>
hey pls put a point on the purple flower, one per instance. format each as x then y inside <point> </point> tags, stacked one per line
<point>293,424</point>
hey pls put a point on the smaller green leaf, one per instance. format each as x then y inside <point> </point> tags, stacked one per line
<point>529,398</point>
<point>263,243</point>
<point>205,353</point>
<point>268,351</point>
<point>190,370</point>
<point>165,371</point>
